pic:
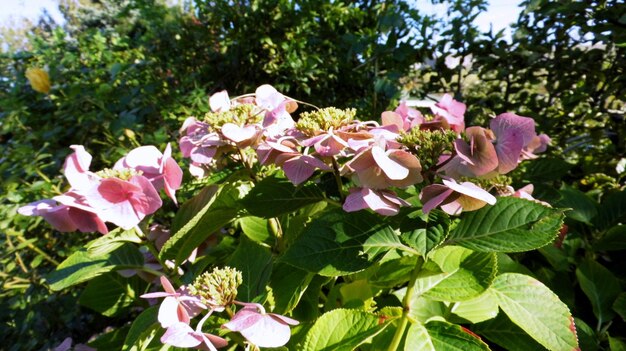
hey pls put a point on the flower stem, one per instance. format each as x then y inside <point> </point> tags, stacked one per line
<point>406,303</point>
<point>338,179</point>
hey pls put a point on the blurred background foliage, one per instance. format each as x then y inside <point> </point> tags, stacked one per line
<point>127,73</point>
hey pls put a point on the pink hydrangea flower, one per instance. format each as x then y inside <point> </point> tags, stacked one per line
<point>452,111</point>
<point>178,305</point>
<point>243,137</point>
<point>220,101</point>
<point>76,167</point>
<point>160,168</point>
<point>379,168</point>
<point>277,118</point>
<point>181,334</point>
<point>403,118</point>
<point>454,197</point>
<point>122,202</point>
<point>65,218</point>
<point>479,156</point>
<point>513,133</point>
<point>384,202</point>
<point>260,328</point>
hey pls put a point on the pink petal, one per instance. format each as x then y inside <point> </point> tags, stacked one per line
<point>299,169</point>
<point>66,345</point>
<point>267,332</point>
<point>181,335</point>
<point>508,149</point>
<point>481,156</point>
<point>36,208</point>
<point>203,155</point>
<point>147,201</point>
<point>505,122</point>
<point>284,319</point>
<point>354,201</point>
<point>393,170</point>
<point>146,158</point>
<point>76,166</point>
<point>167,286</point>
<point>268,97</point>
<point>87,222</point>
<point>433,196</point>
<point>216,340</point>
<point>391,118</point>
<point>379,204</point>
<point>239,134</point>
<point>219,101</point>
<point>471,190</point>
<point>155,295</point>
<point>243,319</point>
<point>170,312</point>
<point>173,175</point>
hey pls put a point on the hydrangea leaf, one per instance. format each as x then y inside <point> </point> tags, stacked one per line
<point>342,330</point>
<point>537,310</point>
<point>274,196</point>
<point>439,335</point>
<point>339,243</point>
<point>83,265</point>
<point>199,218</point>
<point>465,274</point>
<point>511,225</point>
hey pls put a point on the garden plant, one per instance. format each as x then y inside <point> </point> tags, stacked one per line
<point>329,232</point>
<point>179,214</point>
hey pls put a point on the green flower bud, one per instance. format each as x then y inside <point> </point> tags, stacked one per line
<point>428,145</point>
<point>218,288</point>
<point>123,174</point>
<point>313,123</point>
<point>240,114</point>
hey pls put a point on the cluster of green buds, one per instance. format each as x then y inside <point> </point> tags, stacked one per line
<point>326,119</point>
<point>123,174</point>
<point>428,145</point>
<point>240,114</point>
<point>217,288</point>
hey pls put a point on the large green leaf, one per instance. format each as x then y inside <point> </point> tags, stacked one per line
<point>613,239</point>
<point>83,265</point>
<point>255,264</point>
<point>600,286</point>
<point>536,309</point>
<point>582,208</point>
<point>547,169</point>
<point>438,335</point>
<point>511,225</point>
<point>619,305</point>
<point>143,330</point>
<point>393,272</point>
<point>611,211</point>
<point>417,338</point>
<point>110,294</point>
<point>426,232</point>
<point>274,196</point>
<point>503,332</point>
<point>288,284</point>
<point>112,241</point>
<point>257,229</point>
<point>479,309</point>
<point>467,273</point>
<point>342,330</point>
<point>339,243</point>
<point>210,210</point>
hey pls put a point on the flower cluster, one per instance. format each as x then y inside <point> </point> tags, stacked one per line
<point>404,149</point>
<point>123,195</point>
<point>215,292</point>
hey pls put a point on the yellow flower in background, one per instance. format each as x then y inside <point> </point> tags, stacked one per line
<point>39,80</point>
